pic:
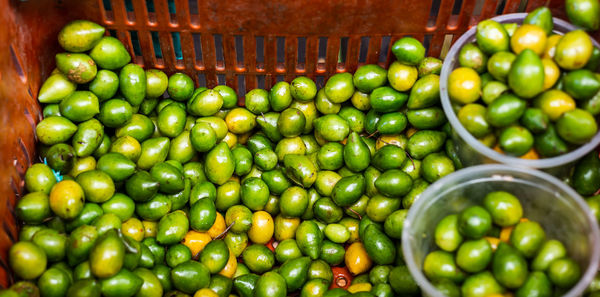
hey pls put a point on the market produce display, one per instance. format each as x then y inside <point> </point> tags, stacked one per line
<point>494,249</point>
<point>526,91</point>
<point>149,185</point>
<point>297,190</point>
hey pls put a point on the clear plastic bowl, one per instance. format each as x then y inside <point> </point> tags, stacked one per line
<point>470,150</point>
<point>563,214</point>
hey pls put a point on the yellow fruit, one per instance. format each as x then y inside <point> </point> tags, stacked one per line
<point>196,241</point>
<point>356,258</point>
<point>67,199</point>
<point>550,48</point>
<point>262,227</point>
<point>149,228</point>
<point>528,37</point>
<point>402,77</point>
<point>392,139</point>
<point>464,85</point>
<point>133,228</point>
<point>551,73</point>
<point>218,226</point>
<point>230,267</point>
<point>494,242</point>
<point>206,292</point>
<point>231,139</point>
<point>362,287</point>
<point>554,103</point>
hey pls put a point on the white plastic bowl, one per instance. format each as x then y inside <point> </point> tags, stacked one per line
<point>470,150</point>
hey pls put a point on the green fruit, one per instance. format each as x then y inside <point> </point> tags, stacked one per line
<point>537,284</point>
<point>97,185</point>
<point>206,103</point>
<point>80,35</point>
<point>581,84</point>
<point>132,83</point>
<point>369,77</point>
<point>573,50</point>
<point>386,99</point>
<point>171,120</point>
<point>583,13</point>
<point>492,37</point>
<point>549,144</point>
<point>202,215</point>
<point>327,211</point>
<point>300,169</point>
<point>117,166</point>
<point>110,53</point>
<point>332,127</point>
<point>332,253</point>
<point>509,266</point>
<point>139,127</point>
<point>280,96</point>
<point>526,75</point>
<point>474,222</point>
<point>436,166</point>
<point>309,238</point>
<point>295,272</point>
<point>499,65</point>
<point>389,157</point>
<point>402,282</point>
<point>169,177</point>
<point>155,208</point>
<point>391,123</point>
<point>241,218</point>
<point>79,106</point>
<point>172,228</point>
<point>564,273</point>
<point>115,113</point>
<point>481,284</point>
<point>474,255</point>
<point>270,284</point>
<point>441,264</point>
<point>80,242</point>
<point>27,260</point>
<point>425,142</point>
<point>258,258</point>
<point>471,56</point>
<point>473,117</point>
<point>55,88</point>
<point>426,118</point>
<point>303,88</point>
<point>124,283</point>
<point>107,255</point>
<point>190,276</point>
<point>393,183</point>
<point>547,253</point>
<point>348,190</point>
<point>84,287</point>
<point>141,186</point>
<point>576,126</point>
<point>151,286</point>
<point>244,284</point>
<point>293,202</point>
<point>425,92</point>
<point>257,101</point>
<point>180,87</point>
<point>156,83</point>
<point>516,140</point>
<point>339,87</point>
<point>54,282</point>
<point>219,164</point>
<point>447,235</point>
<point>61,157</point>
<point>535,120</point>
<point>33,208</point>
<point>430,65</point>
<point>527,237</point>
<point>78,68</point>
<point>408,51</point>
<point>378,245</point>
<point>214,256</point>
<point>356,153</point>
<point>541,17</point>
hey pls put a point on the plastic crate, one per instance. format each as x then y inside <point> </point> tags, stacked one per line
<point>244,44</point>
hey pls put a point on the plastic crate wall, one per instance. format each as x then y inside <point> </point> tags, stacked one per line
<point>244,44</point>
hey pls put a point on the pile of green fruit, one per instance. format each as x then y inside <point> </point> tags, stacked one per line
<point>493,250</point>
<point>151,186</point>
<point>524,90</point>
